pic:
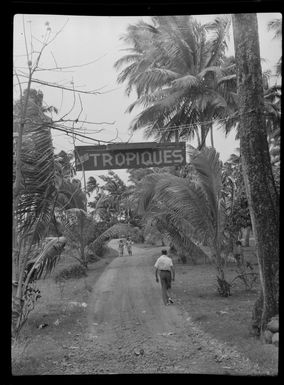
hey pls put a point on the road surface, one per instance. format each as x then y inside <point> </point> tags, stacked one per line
<point>130,330</point>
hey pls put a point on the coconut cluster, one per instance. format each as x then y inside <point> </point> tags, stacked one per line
<point>271,334</point>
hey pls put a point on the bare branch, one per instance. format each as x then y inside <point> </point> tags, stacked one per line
<point>115,136</point>
<point>57,33</point>
<point>52,70</point>
<point>73,105</point>
<point>77,120</point>
<point>48,84</point>
<point>20,88</point>
<point>82,121</point>
<point>83,136</point>
<point>54,59</point>
<point>35,38</point>
<point>73,66</point>
<point>26,44</point>
<point>32,48</point>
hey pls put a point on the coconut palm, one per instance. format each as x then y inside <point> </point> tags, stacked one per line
<point>276,26</point>
<point>40,262</point>
<point>70,195</point>
<point>261,190</point>
<point>177,67</point>
<point>116,231</point>
<point>191,209</point>
<point>76,225</point>
<point>33,201</point>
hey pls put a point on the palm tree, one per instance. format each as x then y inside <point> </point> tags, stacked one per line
<point>70,195</point>
<point>190,209</point>
<point>276,26</point>
<point>34,199</point>
<point>76,226</point>
<point>39,263</point>
<point>116,231</point>
<point>256,165</point>
<point>178,69</point>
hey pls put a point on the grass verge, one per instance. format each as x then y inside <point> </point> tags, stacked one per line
<point>226,319</point>
<point>57,321</point>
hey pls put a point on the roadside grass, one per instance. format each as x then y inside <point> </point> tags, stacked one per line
<point>226,319</point>
<point>57,320</point>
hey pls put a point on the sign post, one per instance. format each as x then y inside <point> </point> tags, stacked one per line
<point>129,155</point>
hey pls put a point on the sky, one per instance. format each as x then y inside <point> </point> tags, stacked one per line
<point>91,45</point>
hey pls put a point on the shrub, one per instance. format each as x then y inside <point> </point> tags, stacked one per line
<point>91,258</point>
<point>73,271</point>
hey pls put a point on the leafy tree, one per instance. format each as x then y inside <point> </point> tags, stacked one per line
<point>256,165</point>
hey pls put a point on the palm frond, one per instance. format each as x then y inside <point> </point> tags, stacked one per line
<point>215,70</point>
<point>38,171</point>
<point>70,195</point>
<point>158,114</point>
<point>116,231</point>
<point>180,196</point>
<point>209,167</point>
<point>152,79</point>
<point>275,26</point>
<point>180,237</point>
<point>186,200</point>
<point>134,57</point>
<point>186,82</point>
<point>219,28</point>
<point>43,264</point>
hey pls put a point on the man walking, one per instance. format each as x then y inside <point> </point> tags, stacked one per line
<point>165,269</point>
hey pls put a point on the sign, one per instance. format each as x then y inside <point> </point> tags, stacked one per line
<point>129,155</point>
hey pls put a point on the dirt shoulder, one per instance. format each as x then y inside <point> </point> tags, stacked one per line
<point>125,328</point>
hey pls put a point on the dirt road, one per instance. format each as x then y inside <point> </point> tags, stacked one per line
<point>130,330</point>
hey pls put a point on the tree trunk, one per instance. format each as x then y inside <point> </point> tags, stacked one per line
<point>205,128</point>
<point>198,138</point>
<point>204,132</point>
<point>260,187</point>
<point>246,238</point>
<point>223,286</point>
<point>211,135</point>
<point>176,136</point>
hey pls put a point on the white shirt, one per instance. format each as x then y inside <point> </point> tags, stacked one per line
<point>164,263</point>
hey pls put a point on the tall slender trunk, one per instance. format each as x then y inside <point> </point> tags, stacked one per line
<point>203,136</point>
<point>176,136</point>
<point>204,132</point>
<point>19,267</point>
<point>198,138</point>
<point>260,187</point>
<point>247,235</point>
<point>211,135</point>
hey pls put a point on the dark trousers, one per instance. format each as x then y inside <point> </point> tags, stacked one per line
<point>166,279</point>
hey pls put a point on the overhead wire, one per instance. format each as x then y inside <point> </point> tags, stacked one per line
<point>162,129</point>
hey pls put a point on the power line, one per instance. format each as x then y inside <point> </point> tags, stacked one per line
<point>197,124</point>
<point>161,129</point>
